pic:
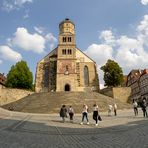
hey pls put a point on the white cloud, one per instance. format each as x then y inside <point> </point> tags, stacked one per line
<point>99,52</point>
<point>144,2</point>
<point>40,30</point>
<point>9,54</point>
<point>50,40</point>
<point>10,5</point>
<point>143,31</point>
<point>26,15</point>
<point>32,42</point>
<point>21,2</point>
<point>50,37</point>
<point>107,37</point>
<point>23,39</point>
<point>1,61</point>
<point>130,53</point>
<point>143,27</point>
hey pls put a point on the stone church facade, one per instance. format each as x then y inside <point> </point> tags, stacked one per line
<point>66,68</point>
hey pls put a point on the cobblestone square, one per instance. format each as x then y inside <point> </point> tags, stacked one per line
<point>24,130</point>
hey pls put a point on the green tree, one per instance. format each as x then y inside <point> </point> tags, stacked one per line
<point>113,75</point>
<point>20,76</point>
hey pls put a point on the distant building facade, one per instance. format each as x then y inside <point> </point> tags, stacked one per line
<point>66,68</point>
<point>138,81</point>
<point>2,80</point>
<point>143,83</point>
<point>133,82</point>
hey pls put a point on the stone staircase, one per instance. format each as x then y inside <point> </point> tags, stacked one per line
<point>51,102</point>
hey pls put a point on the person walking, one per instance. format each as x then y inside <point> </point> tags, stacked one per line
<point>110,107</point>
<point>85,114</point>
<point>115,109</point>
<point>71,113</point>
<point>144,105</point>
<point>95,113</point>
<point>135,106</point>
<point>63,112</point>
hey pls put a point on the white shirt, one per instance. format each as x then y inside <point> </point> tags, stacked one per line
<point>70,110</point>
<point>95,108</point>
<point>115,106</point>
<point>135,104</point>
<point>110,107</point>
<point>85,109</point>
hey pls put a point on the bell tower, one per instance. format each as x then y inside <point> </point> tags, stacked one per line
<point>66,32</point>
<point>67,44</point>
<point>66,55</point>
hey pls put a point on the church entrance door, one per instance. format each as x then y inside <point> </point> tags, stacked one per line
<point>67,87</point>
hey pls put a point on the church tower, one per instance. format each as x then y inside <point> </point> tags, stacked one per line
<point>66,68</point>
<point>66,58</point>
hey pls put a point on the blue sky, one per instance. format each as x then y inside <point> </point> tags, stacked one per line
<point>105,29</point>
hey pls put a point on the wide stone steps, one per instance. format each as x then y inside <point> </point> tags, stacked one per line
<point>51,102</point>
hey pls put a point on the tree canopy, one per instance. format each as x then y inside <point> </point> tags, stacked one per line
<point>20,76</point>
<point>113,75</point>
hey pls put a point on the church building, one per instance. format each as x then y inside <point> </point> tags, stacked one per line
<point>66,68</point>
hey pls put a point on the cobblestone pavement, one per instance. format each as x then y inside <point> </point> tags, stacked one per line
<point>23,130</point>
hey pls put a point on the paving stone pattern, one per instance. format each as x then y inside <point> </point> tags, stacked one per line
<point>24,130</point>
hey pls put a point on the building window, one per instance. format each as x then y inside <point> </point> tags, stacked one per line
<point>64,39</point>
<point>86,76</point>
<point>69,51</point>
<point>69,39</point>
<point>46,76</point>
<point>64,51</point>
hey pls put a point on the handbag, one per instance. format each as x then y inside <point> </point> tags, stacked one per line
<point>99,118</point>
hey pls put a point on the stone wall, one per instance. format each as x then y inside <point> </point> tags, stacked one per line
<point>2,86</point>
<point>120,93</point>
<point>10,95</point>
<point>107,92</point>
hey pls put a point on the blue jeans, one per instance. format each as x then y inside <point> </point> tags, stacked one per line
<point>84,115</point>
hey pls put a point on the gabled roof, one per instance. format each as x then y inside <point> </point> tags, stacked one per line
<point>85,55</point>
<point>50,53</point>
<point>135,72</point>
<point>145,71</point>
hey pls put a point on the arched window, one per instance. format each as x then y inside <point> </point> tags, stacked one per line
<point>86,76</point>
<point>67,87</point>
<point>46,76</point>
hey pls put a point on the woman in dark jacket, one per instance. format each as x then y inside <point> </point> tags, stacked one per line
<point>63,112</point>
